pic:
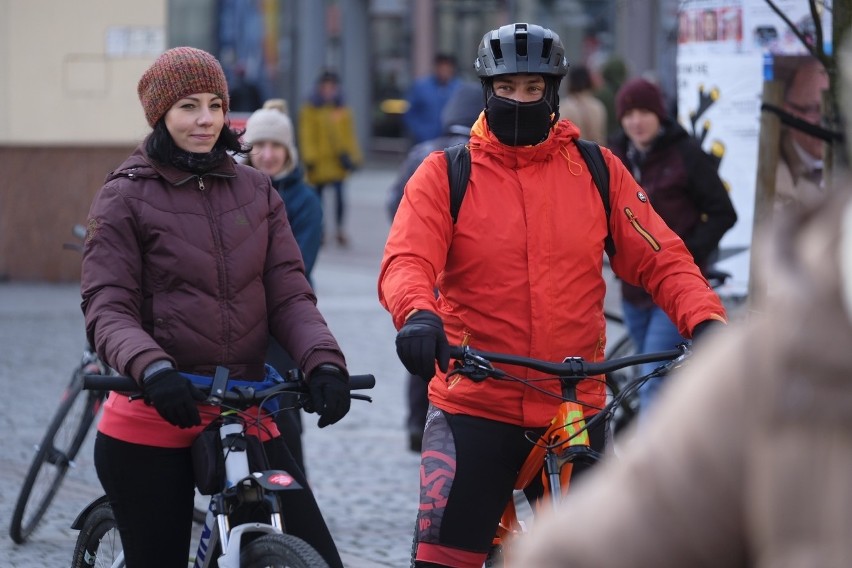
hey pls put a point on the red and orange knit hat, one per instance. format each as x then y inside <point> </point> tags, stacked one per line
<point>179,72</point>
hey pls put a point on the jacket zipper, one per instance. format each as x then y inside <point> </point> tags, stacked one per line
<point>641,230</point>
<point>200,183</point>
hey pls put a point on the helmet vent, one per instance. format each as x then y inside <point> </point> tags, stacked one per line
<point>496,49</point>
<point>521,43</point>
<point>545,50</point>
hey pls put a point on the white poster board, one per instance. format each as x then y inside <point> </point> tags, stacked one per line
<point>725,48</point>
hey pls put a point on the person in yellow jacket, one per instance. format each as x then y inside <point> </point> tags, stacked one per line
<point>521,271</point>
<point>330,150</point>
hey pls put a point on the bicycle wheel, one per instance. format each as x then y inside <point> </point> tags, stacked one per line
<point>54,455</point>
<point>98,543</point>
<point>617,380</point>
<point>280,551</point>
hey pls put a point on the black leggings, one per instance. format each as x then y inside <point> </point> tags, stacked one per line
<point>468,470</point>
<point>151,491</point>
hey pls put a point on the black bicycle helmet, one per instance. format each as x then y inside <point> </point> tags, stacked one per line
<point>521,48</point>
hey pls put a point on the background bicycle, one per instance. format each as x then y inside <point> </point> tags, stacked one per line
<point>224,541</point>
<point>66,432</point>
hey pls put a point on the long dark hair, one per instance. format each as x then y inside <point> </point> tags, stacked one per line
<point>160,145</point>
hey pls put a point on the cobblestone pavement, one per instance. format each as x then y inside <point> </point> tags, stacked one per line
<point>363,475</point>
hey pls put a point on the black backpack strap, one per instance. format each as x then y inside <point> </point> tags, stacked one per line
<point>458,172</point>
<point>600,174</point>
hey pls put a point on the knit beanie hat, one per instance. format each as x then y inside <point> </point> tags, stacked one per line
<point>273,125</point>
<point>177,73</point>
<point>640,93</point>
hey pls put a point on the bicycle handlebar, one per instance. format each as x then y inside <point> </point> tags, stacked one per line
<point>240,395</point>
<point>571,367</point>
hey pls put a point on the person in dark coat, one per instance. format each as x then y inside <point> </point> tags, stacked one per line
<point>683,186</point>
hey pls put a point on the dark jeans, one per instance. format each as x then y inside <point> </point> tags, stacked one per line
<point>651,330</point>
<point>151,491</point>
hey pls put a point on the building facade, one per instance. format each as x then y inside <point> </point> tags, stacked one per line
<point>69,112</point>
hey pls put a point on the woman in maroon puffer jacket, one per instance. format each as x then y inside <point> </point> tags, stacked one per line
<point>189,264</point>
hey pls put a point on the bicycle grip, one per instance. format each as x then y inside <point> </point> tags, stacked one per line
<point>110,383</point>
<point>360,382</point>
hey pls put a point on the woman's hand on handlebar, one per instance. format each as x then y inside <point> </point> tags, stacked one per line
<point>329,394</point>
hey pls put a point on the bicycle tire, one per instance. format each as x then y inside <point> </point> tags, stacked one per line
<point>56,453</point>
<point>280,550</point>
<point>615,382</point>
<point>98,543</point>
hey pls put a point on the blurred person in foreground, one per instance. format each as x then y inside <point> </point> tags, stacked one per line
<point>521,271</point>
<point>458,116</point>
<point>269,132</point>
<point>330,149</point>
<point>745,461</point>
<point>189,264</point>
<point>682,183</point>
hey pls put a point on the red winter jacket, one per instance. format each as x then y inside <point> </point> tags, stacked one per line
<point>197,271</point>
<point>522,270</point>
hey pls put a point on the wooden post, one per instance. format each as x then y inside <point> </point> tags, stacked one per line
<point>767,162</point>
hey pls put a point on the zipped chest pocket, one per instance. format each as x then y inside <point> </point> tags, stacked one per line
<point>634,222</point>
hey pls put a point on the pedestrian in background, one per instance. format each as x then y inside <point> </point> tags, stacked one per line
<point>613,73</point>
<point>330,149</point>
<point>426,99</point>
<point>457,118</point>
<point>189,263</point>
<point>683,185</point>
<point>799,175</point>
<point>269,132</point>
<point>583,107</point>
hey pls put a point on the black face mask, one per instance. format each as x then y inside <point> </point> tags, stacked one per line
<point>518,124</point>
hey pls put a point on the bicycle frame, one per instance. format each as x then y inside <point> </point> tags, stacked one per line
<point>240,483</point>
<point>567,436</point>
<point>565,439</point>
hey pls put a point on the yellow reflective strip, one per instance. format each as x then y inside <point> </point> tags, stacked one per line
<point>641,230</point>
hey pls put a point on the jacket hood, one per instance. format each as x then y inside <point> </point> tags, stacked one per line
<point>462,109</point>
<point>560,134</point>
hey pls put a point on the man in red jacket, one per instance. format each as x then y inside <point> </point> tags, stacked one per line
<point>521,271</point>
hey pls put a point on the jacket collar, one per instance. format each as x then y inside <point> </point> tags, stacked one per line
<point>139,164</point>
<point>518,156</point>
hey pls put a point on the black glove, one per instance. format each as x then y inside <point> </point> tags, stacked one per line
<point>174,397</point>
<point>421,342</point>
<point>703,327</point>
<point>330,398</point>
<point>347,163</point>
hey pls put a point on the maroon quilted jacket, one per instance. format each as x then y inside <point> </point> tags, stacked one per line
<point>198,271</point>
